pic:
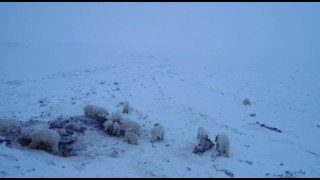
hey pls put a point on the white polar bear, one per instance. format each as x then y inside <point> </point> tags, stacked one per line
<point>9,127</point>
<point>202,133</point>
<point>126,124</point>
<point>46,136</point>
<point>157,132</point>
<point>126,107</point>
<point>131,137</point>
<point>116,129</point>
<point>92,110</point>
<point>117,117</point>
<point>223,144</point>
<point>108,126</point>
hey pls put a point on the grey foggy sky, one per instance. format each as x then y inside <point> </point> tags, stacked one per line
<point>227,29</point>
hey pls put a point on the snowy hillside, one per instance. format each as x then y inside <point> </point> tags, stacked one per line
<point>180,88</point>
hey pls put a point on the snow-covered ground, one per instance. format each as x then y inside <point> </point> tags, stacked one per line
<point>179,91</point>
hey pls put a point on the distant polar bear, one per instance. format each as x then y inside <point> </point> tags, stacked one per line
<point>126,124</point>
<point>126,107</point>
<point>10,127</point>
<point>131,137</point>
<point>157,132</point>
<point>223,144</point>
<point>108,126</point>
<point>202,133</point>
<point>116,129</point>
<point>46,136</point>
<point>92,110</point>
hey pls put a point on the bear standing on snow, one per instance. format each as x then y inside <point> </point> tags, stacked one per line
<point>9,127</point>
<point>116,129</point>
<point>131,137</point>
<point>223,144</point>
<point>46,136</point>
<point>126,108</point>
<point>108,126</point>
<point>116,117</point>
<point>202,133</point>
<point>157,133</point>
<point>126,124</point>
<point>92,111</point>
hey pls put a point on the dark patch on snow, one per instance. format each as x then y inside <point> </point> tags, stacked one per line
<point>246,161</point>
<point>311,152</point>
<point>287,174</point>
<point>3,173</point>
<point>227,172</point>
<point>14,82</point>
<point>268,127</point>
<point>246,102</point>
<point>7,140</point>
<point>9,157</point>
<point>252,114</point>
<point>204,145</point>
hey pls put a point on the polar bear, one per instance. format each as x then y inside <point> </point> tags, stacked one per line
<point>46,136</point>
<point>108,126</point>
<point>223,144</point>
<point>117,117</point>
<point>126,124</point>
<point>202,133</point>
<point>10,127</point>
<point>92,110</point>
<point>131,137</point>
<point>116,129</point>
<point>126,107</point>
<point>157,132</point>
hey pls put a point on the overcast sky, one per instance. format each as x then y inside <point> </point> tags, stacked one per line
<point>227,29</point>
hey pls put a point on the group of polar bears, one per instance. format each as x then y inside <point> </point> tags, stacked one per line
<point>222,141</point>
<point>12,127</point>
<point>116,123</point>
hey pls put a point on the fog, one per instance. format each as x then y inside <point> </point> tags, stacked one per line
<point>227,29</point>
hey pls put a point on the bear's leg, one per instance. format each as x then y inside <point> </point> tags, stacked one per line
<point>162,136</point>
<point>55,149</point>
<point>34,144</point>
